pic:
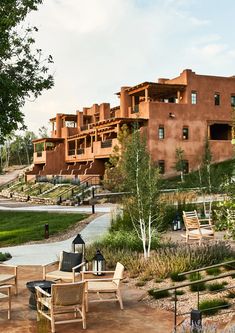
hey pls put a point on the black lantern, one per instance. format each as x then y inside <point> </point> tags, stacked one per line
<point>174,225</point>
<point>78,245</point>
<point>196,321</point>
<point>177,218</point>
<point>98,263</point>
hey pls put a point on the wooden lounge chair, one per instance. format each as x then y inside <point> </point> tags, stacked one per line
<point>63,305</point>
<point>105,286</point>
<point>5,294</point>
<point>69,274</point>
<point>194,229</point>
<point>8,274</point>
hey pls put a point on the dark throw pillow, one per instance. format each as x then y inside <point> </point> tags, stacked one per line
<point>70,260</point>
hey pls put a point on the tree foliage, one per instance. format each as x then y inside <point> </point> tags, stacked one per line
<point>142,179</point>
<point>23,70</point>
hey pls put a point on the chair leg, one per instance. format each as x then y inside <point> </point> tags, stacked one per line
<point>86,301</point>
<point>84,316</point>
<point>9,308</point>
<point>119,297</point>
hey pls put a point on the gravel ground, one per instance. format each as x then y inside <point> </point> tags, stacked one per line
<point>188,300</point>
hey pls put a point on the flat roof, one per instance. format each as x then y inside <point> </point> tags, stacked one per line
<point>48,140</point>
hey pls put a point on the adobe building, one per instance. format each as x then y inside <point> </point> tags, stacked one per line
<point>174,113</point>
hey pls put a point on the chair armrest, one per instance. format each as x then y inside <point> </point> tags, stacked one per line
<point>6,286</point>
<point>80,265</point>
<point>92,272</point>
<point>42,292</point>
<point>3,265</point>
<point>105,279</point>
<point>51,263</point>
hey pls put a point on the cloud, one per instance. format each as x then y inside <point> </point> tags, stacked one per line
<point>100,45</point>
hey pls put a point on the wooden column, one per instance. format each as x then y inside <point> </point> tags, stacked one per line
<point>146,93</point>
<point>178,96</point>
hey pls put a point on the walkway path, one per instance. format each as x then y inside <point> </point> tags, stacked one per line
<point>39,254</point>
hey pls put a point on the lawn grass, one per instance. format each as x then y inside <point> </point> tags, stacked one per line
<point>21,227</point>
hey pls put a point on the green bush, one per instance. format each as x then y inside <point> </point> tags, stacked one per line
<point>167,258</point>
<point>199,286</point>
<point>213,271</point>
<point>231,294</point>
<point>216,286</point>
<point>5,256</point>
<point>208,306</point>
<point>158,293</point>
<point>177,278</point>
<point>179,292</point>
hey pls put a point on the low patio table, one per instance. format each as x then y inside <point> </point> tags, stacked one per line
<point>44,284</point>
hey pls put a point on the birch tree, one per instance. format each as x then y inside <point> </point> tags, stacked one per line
<point>142,180</point>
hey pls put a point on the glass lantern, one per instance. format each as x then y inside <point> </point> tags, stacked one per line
<point>78,245</point>
<point>98,263</point>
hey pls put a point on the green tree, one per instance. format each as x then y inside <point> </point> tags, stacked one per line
<point>23,70</point>
<point>113,177</point>
<point>180,162</point>
<point>142,180</point>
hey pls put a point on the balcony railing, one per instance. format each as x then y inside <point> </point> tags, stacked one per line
<point>71,152</point>
<point>80,151</point>
<point>135,109</point>
<point>106,144</point>
<point>84,127</point>
<point>39,153</point>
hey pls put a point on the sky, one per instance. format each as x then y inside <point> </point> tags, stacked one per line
<point>100,45</point>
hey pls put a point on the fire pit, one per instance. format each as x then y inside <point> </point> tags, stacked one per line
<point>44,284</point>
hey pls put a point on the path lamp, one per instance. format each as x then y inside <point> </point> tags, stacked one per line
<point>78,245</point>
<point>98,263</point>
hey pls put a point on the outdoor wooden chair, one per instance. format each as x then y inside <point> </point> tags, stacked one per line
<point>195,230</point>
<point>102,286</point>
<point>5,294</point>
<point>63,305</point>
<point>68,268</point>
<point>8,274</point>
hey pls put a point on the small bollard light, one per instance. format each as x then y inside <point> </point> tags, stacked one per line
<point>196,321</point>
<point>46,230</point>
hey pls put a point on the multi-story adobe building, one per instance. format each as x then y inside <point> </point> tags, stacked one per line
<point>174,113</point>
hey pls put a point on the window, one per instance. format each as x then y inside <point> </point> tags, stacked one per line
<point>217,99</point>
<point>161,166</point>
<point>233,100</point>
<point>185,133</point>
<point>193,97</point>
<point>185,166</point>
<point>161,133</point>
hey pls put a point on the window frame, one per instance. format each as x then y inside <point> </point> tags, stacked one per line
<point>161,132</point>
<point>217,99</point>
<point>161,166</point>
<point>231,98</point>
<point>193,97</point>
<point>187,135</point>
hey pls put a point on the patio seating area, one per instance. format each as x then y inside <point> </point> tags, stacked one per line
<point>101,317</point>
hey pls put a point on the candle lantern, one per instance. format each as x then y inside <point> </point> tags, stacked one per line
<point>98,263</point>
<point>78,245</point>
<point>174,225</point>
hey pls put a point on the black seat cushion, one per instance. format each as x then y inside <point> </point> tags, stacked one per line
<point>70,260</point>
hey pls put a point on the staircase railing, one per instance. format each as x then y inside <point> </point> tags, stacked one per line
<point>198,282</point>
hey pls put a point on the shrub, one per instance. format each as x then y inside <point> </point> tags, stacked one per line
<point>158,293</point>
<point>208,307</point>
<point>198,286</point>
<point>168,258</point>
<point>180,292</point>
<point>5,256</point>
<point>216,286</point>
<point>213,271</point>
<point>230,266</point>
<point>177,278</point>
<point>231,294</point>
